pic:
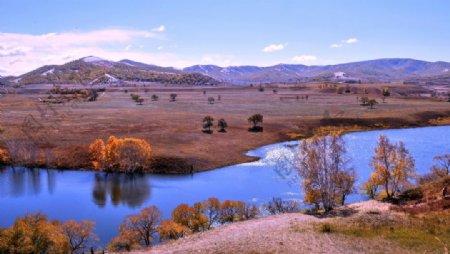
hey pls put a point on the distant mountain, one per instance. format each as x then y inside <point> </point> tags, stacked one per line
<point>381,70</point>
<point>94,70</point>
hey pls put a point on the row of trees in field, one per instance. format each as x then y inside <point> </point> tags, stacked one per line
<point>255,120</point>
<point>142,229</point>
<point>35,233</point>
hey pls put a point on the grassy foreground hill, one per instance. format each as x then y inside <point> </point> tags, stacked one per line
<point>365,227</point>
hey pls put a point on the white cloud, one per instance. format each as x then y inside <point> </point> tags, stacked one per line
<point>350,40</point>
<point>336,45</point>
<point>160,48</point>
<point>274,47</point>
<point>304,58</point>
<point>20,53</point>
<point>159,29</point>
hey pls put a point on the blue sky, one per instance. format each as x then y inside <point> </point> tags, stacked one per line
<point>250,32</point>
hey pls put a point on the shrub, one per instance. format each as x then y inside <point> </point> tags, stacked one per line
<point>222,124</point>
<point>173,96</point>
<point>155,97</point>
<point>277,206</point>
<point>325,228</point>
<point>255,120</point>
<point>4,158</point>
<point>211,100</point>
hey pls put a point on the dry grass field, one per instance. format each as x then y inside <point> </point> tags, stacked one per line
<point>174,128</point>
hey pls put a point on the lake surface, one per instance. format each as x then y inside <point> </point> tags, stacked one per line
<point>108,198</point>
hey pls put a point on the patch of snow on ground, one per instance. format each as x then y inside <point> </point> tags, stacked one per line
<point>48,72</point>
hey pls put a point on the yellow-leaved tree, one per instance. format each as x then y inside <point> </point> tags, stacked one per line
<point>120,154</point>
<point>392,165</point>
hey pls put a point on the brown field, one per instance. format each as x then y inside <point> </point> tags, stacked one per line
<point>174,128</point>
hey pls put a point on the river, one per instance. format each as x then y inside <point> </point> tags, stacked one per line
<point>108,198</point>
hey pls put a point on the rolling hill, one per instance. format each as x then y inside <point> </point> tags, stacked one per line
<point>381,70</point>
<point>93,70</point>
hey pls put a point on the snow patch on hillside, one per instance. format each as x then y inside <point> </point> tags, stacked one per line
<point>45,73</point>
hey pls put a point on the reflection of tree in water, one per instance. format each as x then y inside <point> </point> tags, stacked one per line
<point>26,179</point>
<point>130,189</point>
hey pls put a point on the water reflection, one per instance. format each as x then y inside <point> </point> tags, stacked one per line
<point>129,189</point>
<point>28,181</point>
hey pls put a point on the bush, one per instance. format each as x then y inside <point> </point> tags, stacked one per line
<point>4,158</point>
<point>278,206</point>
<point>325,228</point>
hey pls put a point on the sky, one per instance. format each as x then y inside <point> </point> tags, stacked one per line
<point>232,32</point>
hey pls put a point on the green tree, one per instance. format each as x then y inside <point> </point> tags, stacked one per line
<point>222,124</point>
<point>207,124</point>
<point>256,119</point>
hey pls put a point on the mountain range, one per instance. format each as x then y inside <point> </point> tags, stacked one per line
<point>89,70</point>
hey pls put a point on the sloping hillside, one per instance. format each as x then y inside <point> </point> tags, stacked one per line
<point>89,69</point>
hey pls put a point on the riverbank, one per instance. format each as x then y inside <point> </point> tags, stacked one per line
<point>301,233</point>
<point>63,132</point>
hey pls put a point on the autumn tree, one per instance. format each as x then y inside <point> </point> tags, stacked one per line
<point>222,124</point>
<point>191,217</point>
<point>345,182</point>
<point>393,165</point>
<point>120,154</point>
<point>231,211</point>
<point>97,153</point>
<point>207,124</point>
<point>79,234</point>
<point>371,186</point>
<point>141,226</point>
<point>255,119</point>
<point>34,233</point>
<point>371,103</point>
<point>321,163</point>
<point>211,208</point>
<point>442,166</point>
<point>170,230</point>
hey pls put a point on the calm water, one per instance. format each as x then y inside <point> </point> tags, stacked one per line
<point>108,198</point>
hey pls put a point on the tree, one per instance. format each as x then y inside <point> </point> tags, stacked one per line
<point>222,124</point>
<point>345,181</point>
<point>371,186</point>
<point>120,154</point>
<point>155,97</point>
<point>386,92</point>
<point>211,208</point>
<point>393,165</point>
<point>211,100</point>
<point>372,103</point>
<point>322,162</point>
<point>142,226</point>
<point>173,96</point>
<point>140,101</point>
<point>34,233</point>
<point>170,230</point>
<point>255,120</point>
<point>442,167</point>
<point>191,217</point>
<point>79,234</point>
<point>207,124</point>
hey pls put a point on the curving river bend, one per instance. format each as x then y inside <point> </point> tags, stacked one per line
<point>108,198</point>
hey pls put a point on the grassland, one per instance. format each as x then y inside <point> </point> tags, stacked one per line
<point>174,128</point>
